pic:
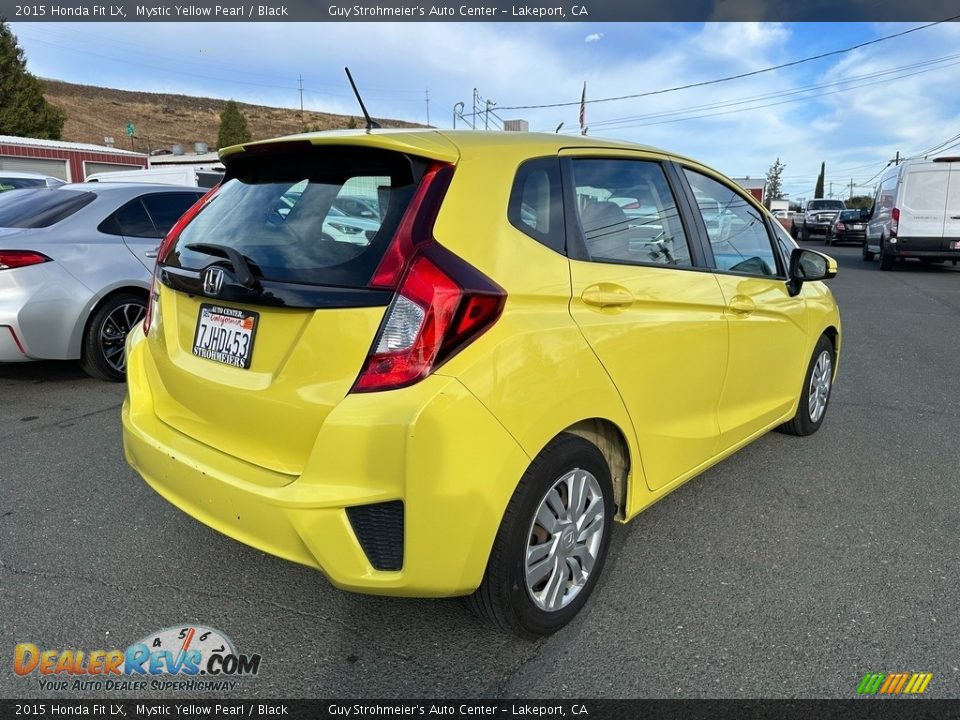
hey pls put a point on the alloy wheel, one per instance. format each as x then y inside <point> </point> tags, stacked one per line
<point>820,380</point>
<point>114,330</point>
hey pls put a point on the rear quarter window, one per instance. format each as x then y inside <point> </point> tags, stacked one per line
<point>536,202</point>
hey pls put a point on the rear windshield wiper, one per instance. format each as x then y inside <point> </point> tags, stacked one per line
<point>241,265</point>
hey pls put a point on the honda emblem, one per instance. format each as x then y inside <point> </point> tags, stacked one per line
<point>212,280</point>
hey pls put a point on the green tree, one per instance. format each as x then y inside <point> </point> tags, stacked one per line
<point>352,123</point>
<point>24,111</point>
<point>774,182</point>
<point>233,126</point>
<point>818,193</point>
<point>860,201</point>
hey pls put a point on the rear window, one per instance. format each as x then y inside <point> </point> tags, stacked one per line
<point>825,205</point>
<point>8,183</point>
<point>849,215</point>
<point>40,207</point>
<point>284,213</point>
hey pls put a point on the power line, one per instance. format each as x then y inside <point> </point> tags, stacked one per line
<point>851,81</point>
<point>740,76</point>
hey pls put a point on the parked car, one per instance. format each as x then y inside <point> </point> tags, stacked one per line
<point>357,206</point>
<point>75,264</point>
<point>186,175</point>
<point>351,229</point>
<point>466,402</point>
<point>849,227</point>
<point>10,180</point>
<point>916,213</point>
<point>818,217</point>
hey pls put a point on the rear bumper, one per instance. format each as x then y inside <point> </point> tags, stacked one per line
<point>432,446</point>
<point>850,237</point>
<point>41,306</point>
<point>931,248</point>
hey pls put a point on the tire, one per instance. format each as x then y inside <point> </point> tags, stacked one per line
<point>886,259</point>
<point>867,254</point>
<point>807,419</point>
<point>827,239</point>
<point>804,234</point>
<point>102,350</point>
<point>505,597</point>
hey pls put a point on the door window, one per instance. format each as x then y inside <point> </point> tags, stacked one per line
<point>131,220</point>
<point>736,229</point>
<point>628,214</point>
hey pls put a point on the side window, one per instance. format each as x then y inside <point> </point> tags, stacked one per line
<point>886,195</point>
<point>166,209</point>
<point>785,243</point>
<point>131,220</point>
<point>737,231</point>
<point>628,214</point>
<point>536,202</point>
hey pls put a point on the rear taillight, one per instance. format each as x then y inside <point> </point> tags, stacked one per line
<point>894,221</point>
<point>841,226</point>
<point>10,259</point>
<point>443,304</point>
<point>165,246</point>
<point>416,227</point>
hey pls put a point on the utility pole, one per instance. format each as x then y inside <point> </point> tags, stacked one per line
<point>486,115</point>
<point>300,79</point>
<point>896,160</point>
<point>473,117</point>
<point>831,192</point>
<point>851,188</point>
<point>426,96</point>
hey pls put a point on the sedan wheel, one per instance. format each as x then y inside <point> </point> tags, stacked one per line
<point>103,343</point>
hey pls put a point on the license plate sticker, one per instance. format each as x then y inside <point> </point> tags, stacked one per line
<point>225,335</point>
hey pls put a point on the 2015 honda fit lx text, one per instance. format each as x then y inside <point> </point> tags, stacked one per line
<point>537,336</point>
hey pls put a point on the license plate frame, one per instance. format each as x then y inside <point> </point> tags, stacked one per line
<point>235,349</point>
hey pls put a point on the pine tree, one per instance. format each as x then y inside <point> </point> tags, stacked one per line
<point>352,123</point>
<point>24,111</point>
<point>818,193</point>
<point>233,126</point>
<point>774,182</point>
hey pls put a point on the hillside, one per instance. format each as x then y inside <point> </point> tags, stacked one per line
<point>164,120</point>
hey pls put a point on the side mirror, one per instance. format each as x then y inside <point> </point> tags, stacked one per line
<point>807,266</point>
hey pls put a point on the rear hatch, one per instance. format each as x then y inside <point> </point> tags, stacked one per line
<point>269,301</point>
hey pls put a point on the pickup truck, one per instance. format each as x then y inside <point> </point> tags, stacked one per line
<point>817,218</point>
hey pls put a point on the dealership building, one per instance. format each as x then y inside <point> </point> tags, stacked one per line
<point>72,162</point>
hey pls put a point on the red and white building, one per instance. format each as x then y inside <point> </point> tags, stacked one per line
<point>68,161</point>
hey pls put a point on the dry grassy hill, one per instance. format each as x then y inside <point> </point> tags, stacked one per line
<point>164,120</point>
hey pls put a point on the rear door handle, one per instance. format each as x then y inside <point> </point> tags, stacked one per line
<point>742,305</point>
<point>605,295</point>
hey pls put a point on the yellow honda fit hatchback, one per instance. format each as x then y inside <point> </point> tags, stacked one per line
<point>456,392</point>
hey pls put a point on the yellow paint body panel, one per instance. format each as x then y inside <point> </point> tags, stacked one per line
<point>280,450</point>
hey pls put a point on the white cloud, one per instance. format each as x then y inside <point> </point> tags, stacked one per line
<point>593,37</point>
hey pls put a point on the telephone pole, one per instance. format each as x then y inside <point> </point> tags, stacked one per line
<point>851,188</point>
<point>426,96</point>
<point>300,80</point>
<point>831,191</point>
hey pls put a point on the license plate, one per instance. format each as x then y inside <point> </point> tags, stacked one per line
<point>225,335</point>
<point>955,245</point>
<point>856,227</point>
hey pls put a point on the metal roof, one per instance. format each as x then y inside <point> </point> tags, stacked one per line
<point>62,145</point>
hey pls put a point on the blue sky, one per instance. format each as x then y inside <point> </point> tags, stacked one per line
<point>911,105</point>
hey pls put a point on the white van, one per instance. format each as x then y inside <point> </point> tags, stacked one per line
<point>916,213</point>
<point>165,176</point>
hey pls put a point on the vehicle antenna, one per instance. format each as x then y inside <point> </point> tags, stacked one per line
<point>371,123</point>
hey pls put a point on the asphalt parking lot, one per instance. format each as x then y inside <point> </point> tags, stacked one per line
<point>790,570</point>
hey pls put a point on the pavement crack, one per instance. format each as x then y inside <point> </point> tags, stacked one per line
<point>122,587</point>
<point>32,428</point>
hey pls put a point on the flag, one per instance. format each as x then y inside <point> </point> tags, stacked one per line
<point>583,110</point>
